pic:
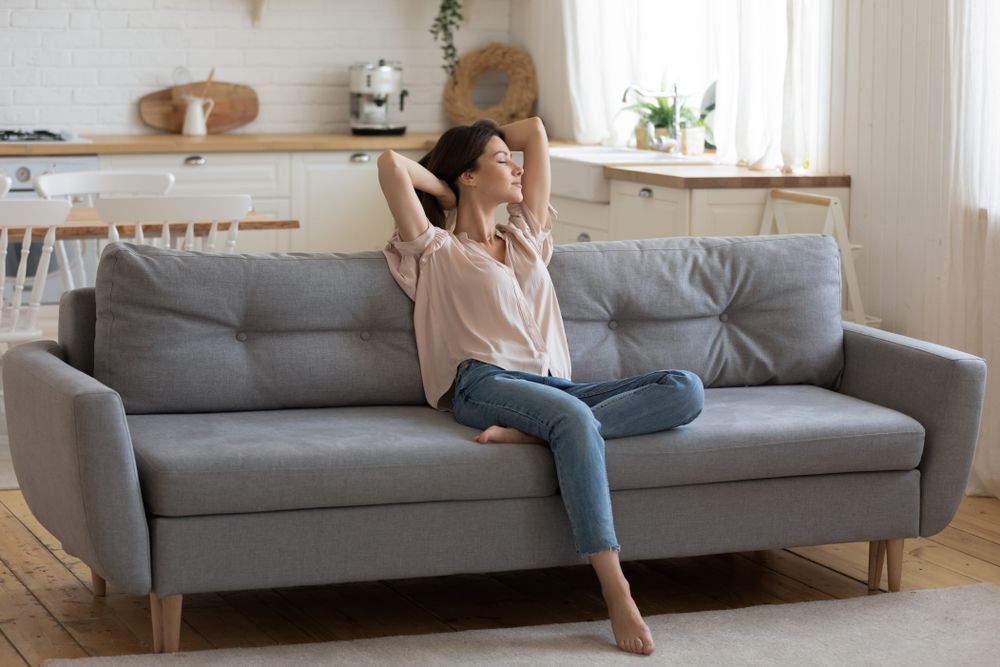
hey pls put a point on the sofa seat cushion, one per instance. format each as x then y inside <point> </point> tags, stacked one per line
<point>765,432</point>
<point>218,463</point>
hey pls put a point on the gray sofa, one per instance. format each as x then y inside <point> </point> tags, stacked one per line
<point>217,422</point>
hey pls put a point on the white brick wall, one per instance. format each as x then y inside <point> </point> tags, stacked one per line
<point>82,65</point>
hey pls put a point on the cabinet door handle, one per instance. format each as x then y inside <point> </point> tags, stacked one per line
<point>645,193</point>
<point>195,160</point>
<point>360,157</point>
<point>584,236</point>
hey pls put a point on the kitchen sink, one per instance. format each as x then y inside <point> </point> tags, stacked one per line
<point>577,171</point>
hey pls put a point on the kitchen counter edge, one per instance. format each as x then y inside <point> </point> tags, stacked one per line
<point>108,144</point>
<point>721,176</point>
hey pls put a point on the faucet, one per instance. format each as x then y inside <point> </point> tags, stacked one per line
<point>654,141</point>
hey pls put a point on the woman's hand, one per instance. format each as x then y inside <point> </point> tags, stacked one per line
<point>447,199</point>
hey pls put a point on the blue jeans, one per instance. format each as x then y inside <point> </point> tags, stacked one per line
<point>575,419</point>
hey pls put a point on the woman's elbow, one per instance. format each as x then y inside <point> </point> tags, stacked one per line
<point>387,159</point>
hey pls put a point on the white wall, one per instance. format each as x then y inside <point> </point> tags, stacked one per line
<point>82,65</point>
<point>889,126</point>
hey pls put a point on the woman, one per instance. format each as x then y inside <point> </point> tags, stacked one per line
<point>490,335</point>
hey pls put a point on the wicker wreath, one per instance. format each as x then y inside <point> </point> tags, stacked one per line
<point>522,85</point>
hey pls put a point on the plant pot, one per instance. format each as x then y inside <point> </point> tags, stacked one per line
<point>641,141</point>
<point>693,140</point>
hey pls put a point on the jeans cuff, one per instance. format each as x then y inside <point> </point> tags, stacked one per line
<point>586,556</point>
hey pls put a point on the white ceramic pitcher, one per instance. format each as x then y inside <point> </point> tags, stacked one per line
<point>198,111</point>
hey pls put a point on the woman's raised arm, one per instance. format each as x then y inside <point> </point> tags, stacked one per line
<point>398,175</point>
<point>529,136</point>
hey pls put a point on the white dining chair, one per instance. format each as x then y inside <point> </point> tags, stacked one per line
<point>5,183</point>
<point>169,209</point>
<point>85,187</point>
<point>16,325</point>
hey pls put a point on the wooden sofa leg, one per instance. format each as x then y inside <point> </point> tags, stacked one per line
<point>99,585</point>
<point>876,556</point>
<point>165,613</point>
<point>894,550</point>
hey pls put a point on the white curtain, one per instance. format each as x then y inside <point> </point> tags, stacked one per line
<point>767,113</point>
<point>539,27</point>
<point>972,290</point>
<point>774,82</point>
<point>609,45</point>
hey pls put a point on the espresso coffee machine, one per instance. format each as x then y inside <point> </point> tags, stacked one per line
<point>374,89</point>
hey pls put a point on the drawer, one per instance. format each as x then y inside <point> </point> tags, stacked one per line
<point>646,211</point>
<point>566,233</point>
<point>254,174</point>
<point>582,213</point>
<point>643,191</point>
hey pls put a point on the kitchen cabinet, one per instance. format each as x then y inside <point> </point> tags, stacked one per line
<point>648,211</point>
<point>334,195</point>
<point>738,211</point>
<point>579,220</point>
<point>641,211</point>
<point>337,200</point>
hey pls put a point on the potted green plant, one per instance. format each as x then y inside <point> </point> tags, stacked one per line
<point>661,114</point>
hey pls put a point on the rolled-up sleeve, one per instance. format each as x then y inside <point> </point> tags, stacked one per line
<point>405,257</point>
<point>522,219</point>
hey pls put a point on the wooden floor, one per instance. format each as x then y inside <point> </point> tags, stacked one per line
<point>47,609</point>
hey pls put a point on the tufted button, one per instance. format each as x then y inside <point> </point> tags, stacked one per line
<point>365,335</point>
<point>241,336</point>
<point>612,324</point>
<point>723,317</point>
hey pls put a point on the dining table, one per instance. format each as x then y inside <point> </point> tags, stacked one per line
<point>84,223</point>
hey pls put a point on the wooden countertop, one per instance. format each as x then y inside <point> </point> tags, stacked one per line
<point>721,176</point>
<point>223,143</point>
<point>105,144</point>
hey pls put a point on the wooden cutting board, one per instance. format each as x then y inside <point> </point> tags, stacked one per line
<point>235,106</point>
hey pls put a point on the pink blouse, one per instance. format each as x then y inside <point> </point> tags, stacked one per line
<point>467,305</point>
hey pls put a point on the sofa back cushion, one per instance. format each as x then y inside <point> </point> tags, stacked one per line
<point>741,310</point>
<point>180,331</point>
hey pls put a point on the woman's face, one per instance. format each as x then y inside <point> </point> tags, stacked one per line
<point>497,176</point>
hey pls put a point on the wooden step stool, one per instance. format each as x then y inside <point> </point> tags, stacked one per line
<point>774,215</point>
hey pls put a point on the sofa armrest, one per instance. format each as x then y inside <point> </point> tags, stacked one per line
<point>940,387</point>
<point>73,456</point>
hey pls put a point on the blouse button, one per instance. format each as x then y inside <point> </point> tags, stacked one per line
<point>241,336</point>
<point>723,317</point>
<point>365,335</point>
<point>612,324</point>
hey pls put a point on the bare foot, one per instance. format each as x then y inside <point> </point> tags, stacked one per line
<point>631,632</point>
<point>504,434</point>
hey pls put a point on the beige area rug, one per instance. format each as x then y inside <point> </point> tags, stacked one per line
<point>945,626</point>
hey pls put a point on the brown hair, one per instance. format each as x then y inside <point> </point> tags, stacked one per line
<point>455,153</point>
